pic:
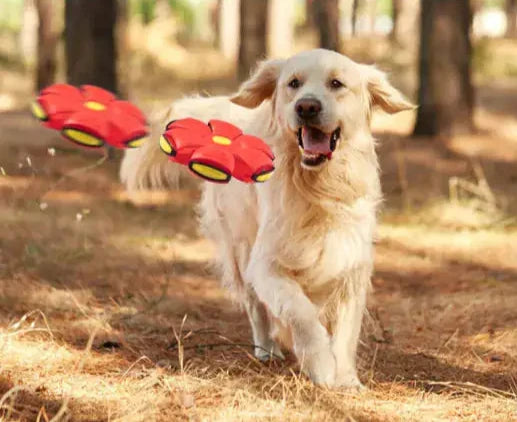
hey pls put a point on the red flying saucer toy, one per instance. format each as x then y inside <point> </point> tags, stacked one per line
<point>217,151</point>
<point>91,116</point>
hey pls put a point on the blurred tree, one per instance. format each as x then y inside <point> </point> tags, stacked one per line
<point>280,33</point>
<point>229,28</point>
<point>327,21</point>
<point>253,35</point>
<point>123,48</point>
<point>309,14</point>
<point>90,49</point>
<point>46,67</point>
<point>511,18</point>
<point>215,14</point>
<point>28,32</point>
<point>405,14</point>
<point>372,15</point>
<point>355,10</point>
<point>446,96</point>
<point>147,10</point>
<point>396,10</point>
<point>188,18</point>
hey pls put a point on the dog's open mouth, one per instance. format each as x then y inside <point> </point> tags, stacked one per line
<point>316,146</point>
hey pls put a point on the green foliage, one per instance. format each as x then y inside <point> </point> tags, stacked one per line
<point>495,58</point>
<point>11,14</point>
<point>384,7</point>
<point>494,3</point>
<point>144,9</point>
<point>184,10</point>
<point>147,10</point>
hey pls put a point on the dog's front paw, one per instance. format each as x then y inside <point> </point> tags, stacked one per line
<point>349,382</point>
<point>264,355</point>
<point>320,367</point>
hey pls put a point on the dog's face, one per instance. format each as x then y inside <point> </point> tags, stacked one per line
<point>321,99</point>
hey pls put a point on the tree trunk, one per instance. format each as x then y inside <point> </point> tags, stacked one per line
<point>90,49</point>
<point>446,95</point>
<point>405,17</point>
<point>46,63</point>
<point>372,15</point>
<point>355,9</point>
<point>280,34</point>
<point>396,6</point>
<point>327,21</point>
<point>229,26</point>
<point>253,35</point>
<point>511,18</point>
<point>29,33</point>
<point>309,15</point>
<point>123,49</point>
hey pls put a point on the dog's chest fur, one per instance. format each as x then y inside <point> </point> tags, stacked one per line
<point>319,250</point>
<point>317,241</point>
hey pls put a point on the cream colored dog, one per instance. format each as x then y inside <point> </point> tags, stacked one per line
<point>297,250</point>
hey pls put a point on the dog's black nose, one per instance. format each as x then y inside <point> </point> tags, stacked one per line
<point>307,108</point>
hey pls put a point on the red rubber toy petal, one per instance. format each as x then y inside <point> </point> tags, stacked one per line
<point>124,130</point>
<point>188,134</point>
<point>180,155</point>
<point>185,136</point>
<point>250,163</point>
<point>71,93</point>
<point>126,123</point>
<point>196,126</point>
<point>99,95</point>
<point>213,164</point>
<point>254,143</point>
<point>125,108</point>
<point>221,128</point>
<point>89,122</point>
<point>58,103</point>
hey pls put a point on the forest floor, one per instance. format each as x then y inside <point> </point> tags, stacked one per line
<point>108,306</point>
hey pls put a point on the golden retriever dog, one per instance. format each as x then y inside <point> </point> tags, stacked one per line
<point>297,251</point>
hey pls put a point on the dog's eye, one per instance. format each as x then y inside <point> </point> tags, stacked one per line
<point>336,84</point>
<point>294,83</point>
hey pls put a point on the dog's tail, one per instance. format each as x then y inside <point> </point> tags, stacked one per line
<point>148,167</point>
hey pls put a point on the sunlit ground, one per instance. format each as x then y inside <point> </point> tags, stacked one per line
<point>109,309</point>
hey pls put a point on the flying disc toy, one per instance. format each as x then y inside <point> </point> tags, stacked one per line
<point>91,116</point>
<point>217,151</point>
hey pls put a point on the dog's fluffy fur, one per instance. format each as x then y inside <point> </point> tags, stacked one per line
<point>296,251</point>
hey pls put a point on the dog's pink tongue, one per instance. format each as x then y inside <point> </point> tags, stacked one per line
<point>315,141</point>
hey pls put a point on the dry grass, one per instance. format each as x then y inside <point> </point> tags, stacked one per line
<point>109,310</point>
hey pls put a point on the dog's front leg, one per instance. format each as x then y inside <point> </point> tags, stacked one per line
<point>288,303</point>
<point>347,328</point>
<point>260,327</point>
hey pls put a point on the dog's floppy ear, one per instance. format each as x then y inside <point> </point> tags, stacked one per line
<point>260,86</point>
<point>383,94</point>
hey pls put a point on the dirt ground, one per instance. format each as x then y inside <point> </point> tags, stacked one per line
<point>109,309</point>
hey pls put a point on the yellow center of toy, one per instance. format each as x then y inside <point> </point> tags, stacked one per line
<point>209,172</point>
<point>264,176</point>
<point>165,146</point>
<point>38,111</point>
<point>221,140</point>
<point>95,106</point>
<point>83,138</point>
<point>135,143</point>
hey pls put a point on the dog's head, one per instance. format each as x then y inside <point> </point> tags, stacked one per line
<point>321,99</point>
